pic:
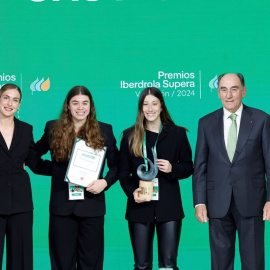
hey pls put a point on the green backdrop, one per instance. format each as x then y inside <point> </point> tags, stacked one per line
<point>116,48</point>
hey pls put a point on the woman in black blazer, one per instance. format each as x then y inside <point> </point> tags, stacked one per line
<point>76,234</point>
<point>17,148</point>
<point>174,161</point>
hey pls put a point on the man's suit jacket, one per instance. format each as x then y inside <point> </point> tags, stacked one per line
<point>173,146</point>
<point>216,179</point>
<point>93,205</point>
<point>15,186</point>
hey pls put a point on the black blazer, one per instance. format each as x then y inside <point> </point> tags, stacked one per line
<point>215,178</point>
<point>15,186</point>
<point>173,146</point>
<point>93,205</point>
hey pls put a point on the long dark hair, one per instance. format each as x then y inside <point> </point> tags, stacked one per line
<point>136,136</point>
<point>63,133</point>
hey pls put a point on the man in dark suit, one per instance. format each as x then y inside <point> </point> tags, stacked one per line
<point>232,162</point>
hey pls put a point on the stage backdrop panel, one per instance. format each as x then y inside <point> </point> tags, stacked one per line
<point>117,48</point>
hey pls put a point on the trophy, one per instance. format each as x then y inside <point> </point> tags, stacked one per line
<point>146,183</point>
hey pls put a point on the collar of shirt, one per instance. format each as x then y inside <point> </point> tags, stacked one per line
<point>227,121</point>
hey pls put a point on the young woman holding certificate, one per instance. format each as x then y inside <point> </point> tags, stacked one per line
<point>76,235</point>
<point>17,149</point>
<point>154,134</point>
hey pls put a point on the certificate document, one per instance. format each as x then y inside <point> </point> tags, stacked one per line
<point>85,164</point>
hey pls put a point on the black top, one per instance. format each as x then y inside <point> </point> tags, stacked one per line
<point>15,186</point>
<point>173,146</point>
<point>94,204</point>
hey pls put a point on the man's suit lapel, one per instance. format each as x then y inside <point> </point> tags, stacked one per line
<point>218,131</point>
<point>246,125</point>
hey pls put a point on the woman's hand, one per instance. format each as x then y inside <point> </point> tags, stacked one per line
<point>97,186</point>
<point>164,165</point>
<point>137,198</point>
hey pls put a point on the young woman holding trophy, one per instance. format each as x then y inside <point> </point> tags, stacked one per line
<point>154,155</point>
<point>76,234</point>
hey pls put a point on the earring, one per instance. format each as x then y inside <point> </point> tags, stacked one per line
<point>18,113</point>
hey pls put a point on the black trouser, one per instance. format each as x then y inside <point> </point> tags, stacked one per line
<point>76,242</point>
<point>168,236</point>
<point>17,228</point>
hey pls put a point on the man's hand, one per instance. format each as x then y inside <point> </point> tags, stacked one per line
<point>97,186</point>
<point>201,213</point>
<point>266,211</point>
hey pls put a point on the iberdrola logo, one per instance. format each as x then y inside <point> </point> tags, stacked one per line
<point>38,85</point>
<point>213,83</point>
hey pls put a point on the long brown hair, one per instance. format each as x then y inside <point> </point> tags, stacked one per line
<point>63,133</point>
<point>136,136</point>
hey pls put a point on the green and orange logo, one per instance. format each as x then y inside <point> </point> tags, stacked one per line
<point>40,85</point>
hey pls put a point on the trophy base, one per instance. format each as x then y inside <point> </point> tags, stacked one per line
<point>146,190</point>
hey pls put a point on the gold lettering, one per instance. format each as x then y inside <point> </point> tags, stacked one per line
<point>145,191</point>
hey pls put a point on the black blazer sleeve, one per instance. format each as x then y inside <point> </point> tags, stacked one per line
<point>34,161</point>
<point>183,168</point>
<point>43,145</point>
<point>125,168</point>
<point>112,154</point>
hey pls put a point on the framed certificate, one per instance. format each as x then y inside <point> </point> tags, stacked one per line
<point>85,164</point>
